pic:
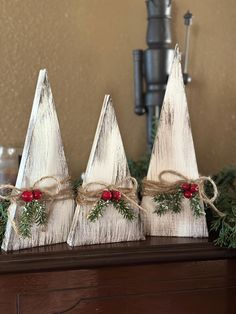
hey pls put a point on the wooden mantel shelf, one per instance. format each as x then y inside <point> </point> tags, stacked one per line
<point>170,275</point>
<point>152,250</point>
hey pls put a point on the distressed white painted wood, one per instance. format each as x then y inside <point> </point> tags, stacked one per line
<point>43,155</point>
<point>107,163</point>
<point>174,150</point>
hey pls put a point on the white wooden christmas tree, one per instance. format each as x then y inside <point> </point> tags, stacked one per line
<point>173,150</point>
<point>108,164</point>
<point>43,155</point>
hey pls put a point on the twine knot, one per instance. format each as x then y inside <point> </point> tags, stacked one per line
<point>163,186</point>
<point>35,198</point>
<point>91,192</point>
<point>49,193</point>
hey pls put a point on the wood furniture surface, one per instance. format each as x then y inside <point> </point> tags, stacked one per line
<point>160,275</point>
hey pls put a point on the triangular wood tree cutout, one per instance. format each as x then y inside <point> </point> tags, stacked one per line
<point>174,150</point>
<point>107,163</point>
<point>43,155</point>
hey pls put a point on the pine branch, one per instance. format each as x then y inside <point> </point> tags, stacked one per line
<point>33,212</point>
<point>124,209</point>
<point>224,227</point>
<point>41,216</point>
<point>176,202</point>
<point>168,202</point>
<point>138,169</point>
<point>98,210</point>
<point>173,202</point>
<point>26,220</point>
<point>162,204</point>
<point>196,206</point>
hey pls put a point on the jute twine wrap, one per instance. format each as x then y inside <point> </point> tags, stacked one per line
<point>49,194</point>
<point>52,192</point>
<point>90,193</point>
<point>162,186</point>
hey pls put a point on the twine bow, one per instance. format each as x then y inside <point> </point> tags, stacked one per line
<point>152,188</point>
<point>88,196</point>
<point>49,194</point>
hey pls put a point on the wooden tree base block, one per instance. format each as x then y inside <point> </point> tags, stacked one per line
<point>43,155</point>
<point>173,150</point>
<point>107,163</point>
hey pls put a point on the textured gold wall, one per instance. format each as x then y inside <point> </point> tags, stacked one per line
<point>86,45</point>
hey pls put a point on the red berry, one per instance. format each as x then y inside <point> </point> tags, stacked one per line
<point>185,186</point>
<point>188,194</point>
<point>27,196</point>
<point>106,195</point>
<point>37,194</point>
<point>116,195</point>
<point>194,188</point>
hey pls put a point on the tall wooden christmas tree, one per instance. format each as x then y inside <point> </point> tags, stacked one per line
<point>174,150</point>
<point>107,164</point>
<point>43,155</point>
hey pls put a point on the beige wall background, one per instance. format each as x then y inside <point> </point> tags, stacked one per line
<point>87,48</point>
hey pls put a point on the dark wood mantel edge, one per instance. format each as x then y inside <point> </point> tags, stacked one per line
<point>153,250</point>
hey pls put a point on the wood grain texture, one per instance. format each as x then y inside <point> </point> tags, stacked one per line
<point>174,150</point>
<point>154,250</point>
<point>43,155</point>
<point>107,163</point>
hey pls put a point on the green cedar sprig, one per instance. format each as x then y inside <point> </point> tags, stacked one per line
<point>98,210</point>
<point>168,201</point>
<point>197,208</point>
<point>173,202</point>
<point>226,228</point>
<point>121,206</point>
<point>124,209</point>
<point>33,212</point>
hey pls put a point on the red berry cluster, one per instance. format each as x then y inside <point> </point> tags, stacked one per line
<point>112,195</point>
<point>189,189</point>
<point>28,196</point>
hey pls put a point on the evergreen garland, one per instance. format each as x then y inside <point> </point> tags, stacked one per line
<point>3,217</point>
<point>223,229</point>
<point>138,169</point>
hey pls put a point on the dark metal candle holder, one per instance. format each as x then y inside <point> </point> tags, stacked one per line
<point>152,66</point>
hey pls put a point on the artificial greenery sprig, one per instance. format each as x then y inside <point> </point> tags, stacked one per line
<point>173,201</point>
<point>224,228</point>
<point>124,209</point>
<point>98,210</point>
<point>111,198</point>
<point>168,201</point>
<point>33,212</point>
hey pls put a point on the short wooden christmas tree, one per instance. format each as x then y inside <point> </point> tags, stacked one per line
<point>108,217</point>
<point>43,160</point>
<point>174,153</point>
